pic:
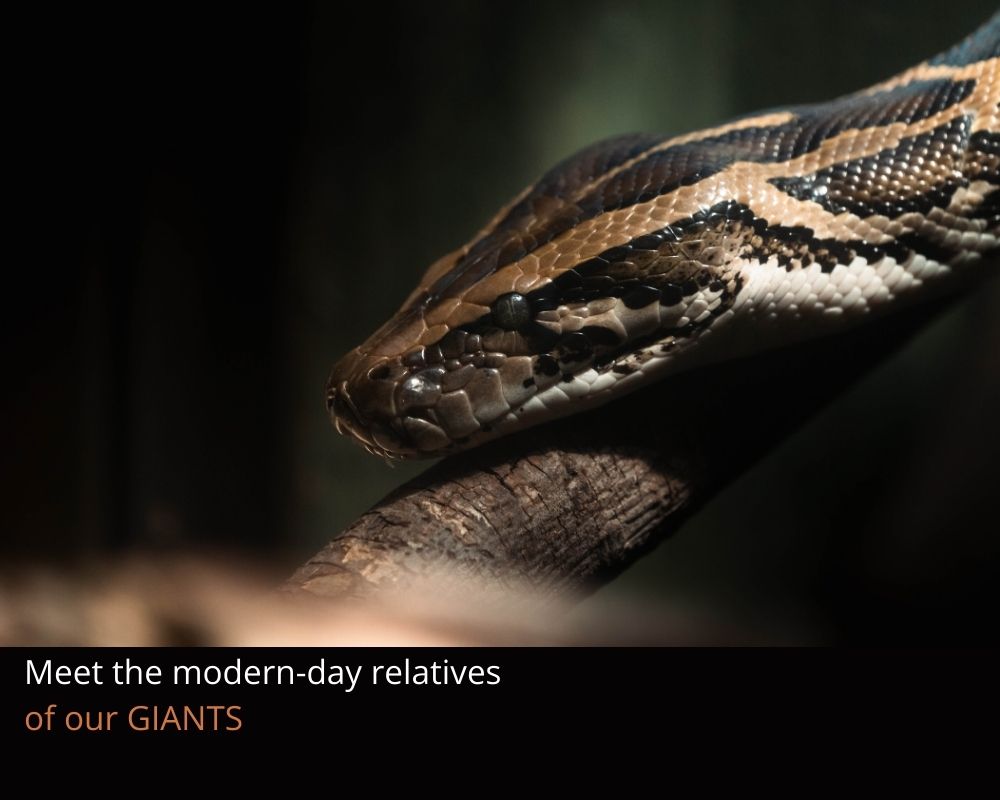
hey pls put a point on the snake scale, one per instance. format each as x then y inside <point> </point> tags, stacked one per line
<point>642,256</point>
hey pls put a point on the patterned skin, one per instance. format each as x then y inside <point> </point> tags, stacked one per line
<point>642,256</point>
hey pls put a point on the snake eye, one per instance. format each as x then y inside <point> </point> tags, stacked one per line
<point>511,311</point>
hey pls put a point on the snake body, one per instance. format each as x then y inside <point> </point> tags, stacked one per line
<point>641,256</point>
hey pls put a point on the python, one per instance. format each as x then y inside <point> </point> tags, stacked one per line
<point>644,256</point>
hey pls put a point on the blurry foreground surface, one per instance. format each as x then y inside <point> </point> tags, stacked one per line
<point>187,601</point>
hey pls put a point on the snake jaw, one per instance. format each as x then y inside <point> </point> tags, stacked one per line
<point>356,401</point>
<point>407,407</point>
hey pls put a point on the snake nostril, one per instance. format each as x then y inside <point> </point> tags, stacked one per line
<point>381,372</point>
<point>331,399</point>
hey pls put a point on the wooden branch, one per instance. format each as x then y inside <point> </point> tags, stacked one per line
<point>566,506</point>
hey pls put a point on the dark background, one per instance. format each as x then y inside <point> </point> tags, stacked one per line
<point>221,203</point>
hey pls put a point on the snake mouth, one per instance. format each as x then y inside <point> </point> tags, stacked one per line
<point>374,436</point>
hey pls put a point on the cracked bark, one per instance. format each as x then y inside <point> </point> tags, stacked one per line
<point>564,507</point>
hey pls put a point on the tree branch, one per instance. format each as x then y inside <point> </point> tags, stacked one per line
<point>566,506</point>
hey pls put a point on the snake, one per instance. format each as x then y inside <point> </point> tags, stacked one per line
<point>643,256</point>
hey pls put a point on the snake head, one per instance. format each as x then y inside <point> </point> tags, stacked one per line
<point>438,377</point>
<point>570,297</point>
<point>554,307</point>
<point>494,342</point>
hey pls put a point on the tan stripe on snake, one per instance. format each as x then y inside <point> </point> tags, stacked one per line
<point>642,256</point>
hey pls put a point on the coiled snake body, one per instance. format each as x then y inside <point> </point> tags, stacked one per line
<point>641,256</point>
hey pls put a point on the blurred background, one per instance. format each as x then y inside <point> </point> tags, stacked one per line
<point>228,201</point>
